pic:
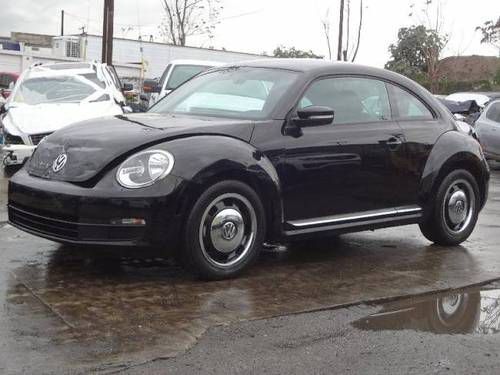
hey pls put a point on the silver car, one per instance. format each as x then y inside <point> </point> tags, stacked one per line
<point>488,130</point>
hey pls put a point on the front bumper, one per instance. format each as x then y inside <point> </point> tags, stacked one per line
<point>16,154</point>
<point>69,213</point>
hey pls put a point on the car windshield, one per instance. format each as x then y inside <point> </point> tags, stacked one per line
<point>183,73</point>
<point>59,89</point>
<point>235,92</point>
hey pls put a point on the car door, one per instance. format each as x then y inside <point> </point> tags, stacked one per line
<point>421,127</point>
<point>488,129</point>
<point>350,166</point>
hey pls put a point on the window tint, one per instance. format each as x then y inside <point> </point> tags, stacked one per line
<point>409,107</point>
<point>352,99</point>
<point>493,113</point>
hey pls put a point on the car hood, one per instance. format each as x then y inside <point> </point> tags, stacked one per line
<point>47,118</point>
<point>90,146</point>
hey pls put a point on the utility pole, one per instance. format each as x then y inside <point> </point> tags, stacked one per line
<point>62,22</point>
<point>107,32</point>
<point>341,30</point>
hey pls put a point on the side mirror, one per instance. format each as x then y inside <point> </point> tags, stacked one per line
<point>127,87</point>
<point>156,89</point>
<point>314,116</point>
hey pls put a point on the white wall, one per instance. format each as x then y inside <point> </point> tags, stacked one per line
<point>158,55</point>
<point>17,62</point>
<point>10,61</point>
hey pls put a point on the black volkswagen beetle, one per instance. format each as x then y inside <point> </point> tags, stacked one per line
<point>265,151</point>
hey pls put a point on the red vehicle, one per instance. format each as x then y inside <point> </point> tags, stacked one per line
<point>7,82</point>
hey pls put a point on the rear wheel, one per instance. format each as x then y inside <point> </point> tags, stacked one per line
<point>455,210</point>
<point>224,231</point>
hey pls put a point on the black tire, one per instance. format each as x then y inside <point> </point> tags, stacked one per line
<point>439,224</point>
<point>209,251</point>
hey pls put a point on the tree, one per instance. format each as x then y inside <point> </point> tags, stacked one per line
<point>325,23</point>
<point>419,47</point>
<point>292,52</point>
<point>491,33</point>
<point>184,18</point>
<point>416,54</point>
<point>347,48</point>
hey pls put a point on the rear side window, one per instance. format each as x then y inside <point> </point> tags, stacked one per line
<point>354,100</point>
<point>408,107</point>
<point>493,112</point>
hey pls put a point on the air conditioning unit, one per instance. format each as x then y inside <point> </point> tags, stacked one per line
<point>67,46</point>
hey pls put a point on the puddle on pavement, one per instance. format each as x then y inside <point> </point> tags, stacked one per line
<point>471,311</point>
<point>118,308</point>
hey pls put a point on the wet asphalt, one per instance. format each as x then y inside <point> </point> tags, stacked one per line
<point>373,302</point>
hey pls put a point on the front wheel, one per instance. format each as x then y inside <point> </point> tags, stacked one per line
<point>224,231</point>
<point>455,210</point>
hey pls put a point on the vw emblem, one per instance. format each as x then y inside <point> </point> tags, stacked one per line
<point>460,207</point>
<point>229,230</point>
<point>59,163</point>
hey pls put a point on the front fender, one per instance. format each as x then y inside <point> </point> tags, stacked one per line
<point>204,160</point>
<point>454,150</point>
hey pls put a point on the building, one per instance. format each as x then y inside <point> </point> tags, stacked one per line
<point>133,59</point>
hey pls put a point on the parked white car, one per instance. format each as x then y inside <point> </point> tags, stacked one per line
<point>178,72</point>
<point>49,97</point>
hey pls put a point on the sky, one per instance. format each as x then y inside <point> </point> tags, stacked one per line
<point>259,26</point>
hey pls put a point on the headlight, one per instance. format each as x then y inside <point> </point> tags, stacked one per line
<point>144,168</point>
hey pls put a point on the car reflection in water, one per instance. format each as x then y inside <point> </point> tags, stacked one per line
<point>473,312</point>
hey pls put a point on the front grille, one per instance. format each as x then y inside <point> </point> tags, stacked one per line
<point>37,138</point>
<point>12,139</point>
<point>43,224</point>
<point>64,229</point>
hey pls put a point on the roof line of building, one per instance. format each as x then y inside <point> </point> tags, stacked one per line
<point>169,44</point>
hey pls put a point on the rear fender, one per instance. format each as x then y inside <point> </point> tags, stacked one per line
<point>454,150</point>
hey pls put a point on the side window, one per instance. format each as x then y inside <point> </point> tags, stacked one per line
<point>353,99</point>
<point>408,106</point>
<point>493,113</point>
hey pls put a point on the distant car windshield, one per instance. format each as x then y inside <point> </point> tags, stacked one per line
<point>235,92</point>
<point>183,73</point>
<point>58,89</point>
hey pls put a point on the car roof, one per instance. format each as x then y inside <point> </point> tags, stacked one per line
<point>60,69</point>
<point>316,67</point>
<point>320,66</point>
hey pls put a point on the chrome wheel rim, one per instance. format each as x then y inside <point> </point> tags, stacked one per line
<point>450,308</point>
<point>459,206</point>
<point>227,230</point>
